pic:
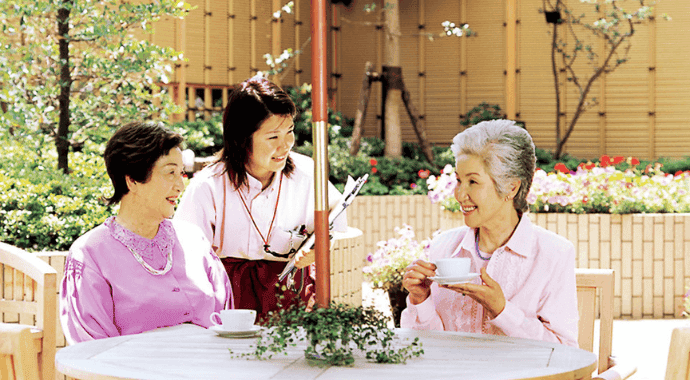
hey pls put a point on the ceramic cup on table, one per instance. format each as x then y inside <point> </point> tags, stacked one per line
<point>453,267</point>
<point>234,319</point>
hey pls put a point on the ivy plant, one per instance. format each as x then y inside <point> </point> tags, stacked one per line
<point>332,335</point>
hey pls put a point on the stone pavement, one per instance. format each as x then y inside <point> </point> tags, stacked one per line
<point>643,342</point>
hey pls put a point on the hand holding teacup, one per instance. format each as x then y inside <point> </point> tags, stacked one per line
<point>489,294</point>
<point>416,280</point>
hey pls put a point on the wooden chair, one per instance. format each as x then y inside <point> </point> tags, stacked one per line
<point>678,366</point>
<point>28,296</point>
<point>588,281</point>
<point>18,354</point>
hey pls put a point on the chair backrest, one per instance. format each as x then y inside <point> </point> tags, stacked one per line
<point>28,295</point>
<point>678,366</point>
<point>18,354</point>
<point>588,281</point>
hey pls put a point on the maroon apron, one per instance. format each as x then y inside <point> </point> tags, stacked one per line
<point>255,285</point>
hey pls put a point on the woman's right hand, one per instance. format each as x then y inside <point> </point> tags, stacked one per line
<point>416,280</point>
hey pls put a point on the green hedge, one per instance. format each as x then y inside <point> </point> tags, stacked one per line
<point>43,209</point>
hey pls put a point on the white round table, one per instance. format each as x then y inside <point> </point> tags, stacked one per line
<point>193,352</point>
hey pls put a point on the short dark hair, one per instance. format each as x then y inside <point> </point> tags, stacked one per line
<point>250,103</point>
<point>133,150</point>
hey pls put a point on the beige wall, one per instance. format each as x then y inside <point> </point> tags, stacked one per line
<point>644,112</point>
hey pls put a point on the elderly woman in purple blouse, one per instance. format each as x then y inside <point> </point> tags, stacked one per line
<point>140,270</point>
<point>527,283</point>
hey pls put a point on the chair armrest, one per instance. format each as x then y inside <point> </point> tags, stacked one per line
<point>617,372</point>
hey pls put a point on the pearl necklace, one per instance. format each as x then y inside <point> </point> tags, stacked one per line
<point>150,269</point>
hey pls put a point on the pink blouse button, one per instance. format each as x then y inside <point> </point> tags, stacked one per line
<point>176,289</point>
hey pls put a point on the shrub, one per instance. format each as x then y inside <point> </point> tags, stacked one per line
<point>43,209</point>
<point>301,96</point>
<point>204,138</point>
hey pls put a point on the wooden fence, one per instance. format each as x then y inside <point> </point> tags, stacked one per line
<point>650,253</point>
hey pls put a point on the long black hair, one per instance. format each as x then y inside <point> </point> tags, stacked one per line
<point>250,103</point>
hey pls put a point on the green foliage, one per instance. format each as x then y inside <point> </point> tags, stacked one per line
<point>115,75</point>
<point>332,334</point>
<point>204,138</point>
<point>42,208</point>
<point>484,111</point>
<point>338,124</point>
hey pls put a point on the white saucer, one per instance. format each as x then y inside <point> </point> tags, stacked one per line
<point>454,280</point>
<point>254,331</point>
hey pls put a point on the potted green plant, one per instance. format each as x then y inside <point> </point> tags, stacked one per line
<point>386,267</point>
<point>332,334</point>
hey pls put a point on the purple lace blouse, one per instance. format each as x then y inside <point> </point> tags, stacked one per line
<point>107,292</point>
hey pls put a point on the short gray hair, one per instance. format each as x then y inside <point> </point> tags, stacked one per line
<point>507,152</point>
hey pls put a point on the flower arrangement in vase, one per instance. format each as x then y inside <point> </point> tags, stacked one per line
<point>386,267</point>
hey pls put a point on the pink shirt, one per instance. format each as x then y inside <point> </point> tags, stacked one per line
<point>202,204</point>
<point>536,271</point>
<point>106,292</point>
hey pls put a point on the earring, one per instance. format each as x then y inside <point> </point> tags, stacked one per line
<point>508,198</point>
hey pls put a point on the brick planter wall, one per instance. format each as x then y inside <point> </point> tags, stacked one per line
<point>647,251</point>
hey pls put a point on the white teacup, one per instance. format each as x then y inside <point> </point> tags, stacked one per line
<point>453,267</point>
<point>234,319</point>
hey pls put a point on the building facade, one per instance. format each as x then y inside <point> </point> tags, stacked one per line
<point>642,107</point>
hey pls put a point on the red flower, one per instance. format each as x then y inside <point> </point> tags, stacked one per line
<point>634,161</point>
<point>618,159</point>
<point>423,174</point>
<point>562,168</point>
<point>373,162</point>
<point>678,173</point>
<point>585,199</point>
<point>413,185</point>
<point>605,161</point>
<point>590,166</point>
<point>374,170</point>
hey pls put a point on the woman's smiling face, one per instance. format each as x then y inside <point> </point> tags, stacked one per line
<point>475,190</point>
<point>157,197</point>
<point>271,144</point>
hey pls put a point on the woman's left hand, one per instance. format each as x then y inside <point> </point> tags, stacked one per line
<point>304,257</point>
<point>489,294</point>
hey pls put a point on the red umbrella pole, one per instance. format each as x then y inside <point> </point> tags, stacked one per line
<point>320,140</point>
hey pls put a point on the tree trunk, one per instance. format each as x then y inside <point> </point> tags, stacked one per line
<point>61,140</point>
<point>554,68</point>
<point>418,126</point>
<point>393,97</point>
<point>364,94</point>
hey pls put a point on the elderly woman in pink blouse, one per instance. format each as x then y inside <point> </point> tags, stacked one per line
<point>527,284</point>
<point>140,270</point>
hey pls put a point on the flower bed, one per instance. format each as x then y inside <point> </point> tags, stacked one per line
<point>591,188</point>
<point>617,215</point>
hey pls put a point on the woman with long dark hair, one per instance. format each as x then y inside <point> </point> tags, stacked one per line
<point>256,202</point>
